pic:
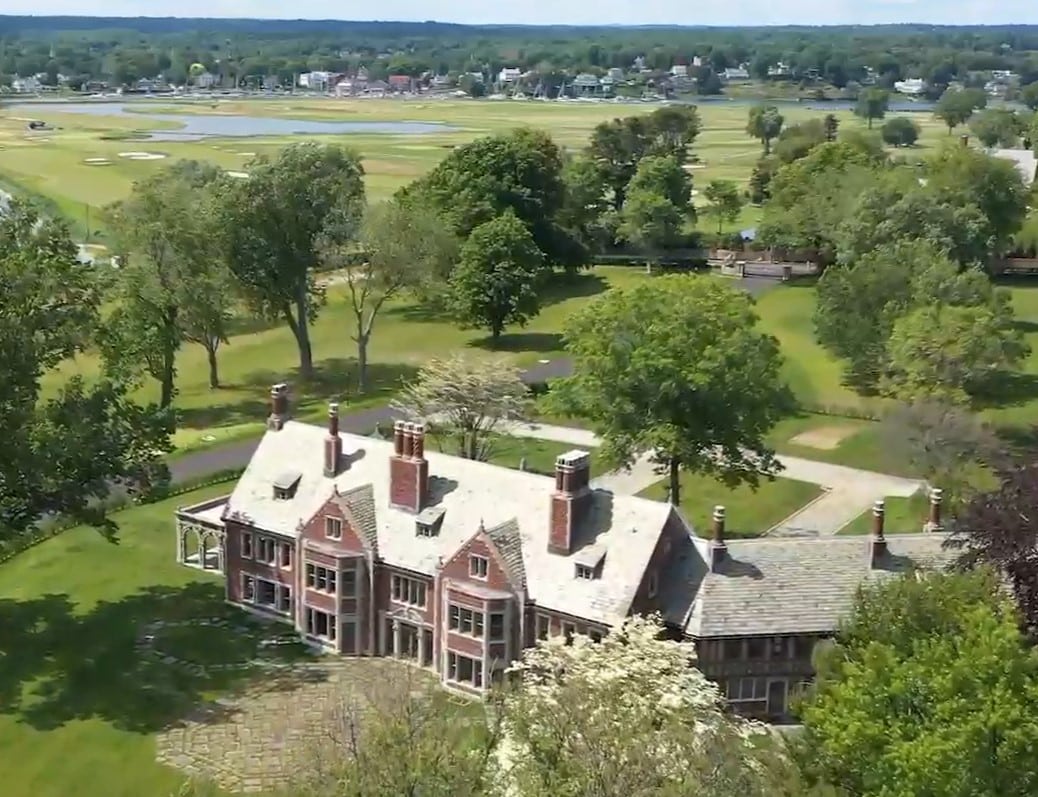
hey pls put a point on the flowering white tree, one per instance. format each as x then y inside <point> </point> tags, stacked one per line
<point>629,716</point>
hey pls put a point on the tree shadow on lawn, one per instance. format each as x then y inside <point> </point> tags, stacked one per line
<point>573,285</point>
<point>57,666</point>
<point>539,342</point>
<point>335,379</point>
<point>1009,389</point>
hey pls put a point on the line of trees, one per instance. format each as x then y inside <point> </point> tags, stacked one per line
<point>124,50</point>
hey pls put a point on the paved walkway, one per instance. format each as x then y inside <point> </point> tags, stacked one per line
<point>237,455</point>
<point>848,491</point>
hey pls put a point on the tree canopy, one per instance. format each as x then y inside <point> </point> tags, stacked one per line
<point>764,123</point>
<point>955,107</point>
<point>278,223</point>
<point>676,367</point>
<point>930,688</point>
<point>499,276</point>
<point>62,454</point>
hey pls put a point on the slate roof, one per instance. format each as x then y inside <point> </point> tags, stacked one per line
<point>468,492</point>
<point>360,503</point>
<point>509,544</point>
<point>777,585</point>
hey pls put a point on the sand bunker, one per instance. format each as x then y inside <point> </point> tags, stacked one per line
<point>142,156</point>
<point>825,438</point>
<point>97,161</point>
<point>247,154</point>
<point>239,175</point>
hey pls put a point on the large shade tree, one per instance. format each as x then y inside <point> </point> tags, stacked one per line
<point>677,367</point>
<point>61,454</point>
<point>278,223</point>
<point>172,284</point>
<point>930,688</point>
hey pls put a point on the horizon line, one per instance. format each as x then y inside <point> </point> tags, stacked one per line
<point>575,25</point>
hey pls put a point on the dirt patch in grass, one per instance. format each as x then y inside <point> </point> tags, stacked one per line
<point>826,438</point>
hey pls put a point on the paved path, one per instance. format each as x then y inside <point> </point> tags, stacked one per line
<point>848,491</point>
<point>237,455</point>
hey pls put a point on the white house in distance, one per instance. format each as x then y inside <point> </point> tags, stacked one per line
<point>913,87</point>
<point>510,74</point>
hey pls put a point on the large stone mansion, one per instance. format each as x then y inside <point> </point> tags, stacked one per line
<point>377,548</point>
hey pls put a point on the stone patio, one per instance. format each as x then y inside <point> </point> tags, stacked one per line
<point>283,723</point>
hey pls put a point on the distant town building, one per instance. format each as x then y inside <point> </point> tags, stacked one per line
<point>697,60</point>
<point>616,74</point>
<point>912,87</point>
<point>738,74</point>
<point>316,81</point>
<point>26,85</point>
<point>679,70</point>
<point>402,84</point>
<point>585,85</point>
<point>510,74</point>
<point>205,80</point>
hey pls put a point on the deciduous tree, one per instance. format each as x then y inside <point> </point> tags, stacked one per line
<point>64,454</point>
<point>1029,95</point>
<point>657,206</point>
<point>172,283</point>
<point>955,107</point>
<point>998,528</point>
<point>520,171</point>
<point>900,132</point>
<point>725,201</point>
<point>465,401</point>
<point>872,104</point>
<point>764,124</point>
<point>403,248</point>
<point>929,689</point>
<point>279,221</point>
<point>628,717</point>
<point>997,127</point>
<point>677,367</point>
<point>949,353</point>
<point>831,125</point>
<point>499,276</point>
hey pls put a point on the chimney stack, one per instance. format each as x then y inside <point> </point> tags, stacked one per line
<point>332,443</point>
<point>936,497</point>
<point>718,548</point>
<point>878,543</point>
<point>570,501</point>
<point>278,406</point>
<point>408,467</point>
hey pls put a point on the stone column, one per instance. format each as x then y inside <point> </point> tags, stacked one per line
<point>396,638</point>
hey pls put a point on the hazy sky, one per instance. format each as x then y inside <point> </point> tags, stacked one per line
<point>644,12</point>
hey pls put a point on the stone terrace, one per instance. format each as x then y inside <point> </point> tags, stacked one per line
<point>282,725</point>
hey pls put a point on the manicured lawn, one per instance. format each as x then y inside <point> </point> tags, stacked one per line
<point>903,516</point>
<point>862,445</point>
<point>405,337</point>
<point>748,513</point>
<point>509,452</point>
<point>79,703</point>
<point>815,375</point>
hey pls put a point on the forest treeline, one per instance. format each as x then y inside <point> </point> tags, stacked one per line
<point>126,49</point>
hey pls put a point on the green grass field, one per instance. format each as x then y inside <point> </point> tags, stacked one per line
<point>52,165</point>
<point>902,516</point>
<point>749,513</point>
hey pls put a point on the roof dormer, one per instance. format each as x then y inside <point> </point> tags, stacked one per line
<point>286,484</point>
<point>428,522</point>
<point>588,562</point>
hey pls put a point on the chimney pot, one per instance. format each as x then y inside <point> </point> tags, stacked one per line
<point>418,441</point>
<point>718,548</point>
<point>278,406</point>
<point>879,509</point>
<point>398,438</point>
<point>333,419</point>
<point>936,497</point>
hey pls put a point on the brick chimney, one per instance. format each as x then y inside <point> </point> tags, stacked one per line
<point>934,523</point>
<point>278,407</point>
<point>878,543</point>
<point>718,548</point>
<point>571,500</point>
<point>408,468</point>
<point>332,443</point>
